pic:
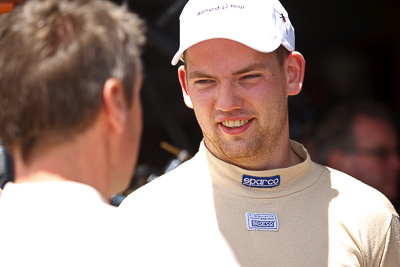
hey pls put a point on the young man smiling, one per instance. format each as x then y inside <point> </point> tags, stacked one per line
<point>251,196</point>
<point>239,96</point>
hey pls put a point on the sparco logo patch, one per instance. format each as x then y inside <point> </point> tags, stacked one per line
<point>262,221</point>
<point>261,182</point>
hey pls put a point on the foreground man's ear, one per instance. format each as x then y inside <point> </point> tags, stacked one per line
<point>114,104</point>
<point>185,89</point>
<point>295,67</point>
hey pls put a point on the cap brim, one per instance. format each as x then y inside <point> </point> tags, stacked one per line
<point>268,46</point>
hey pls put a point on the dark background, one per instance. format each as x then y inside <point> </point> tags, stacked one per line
<point>351,47</point>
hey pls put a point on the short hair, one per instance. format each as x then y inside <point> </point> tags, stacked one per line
<point>55,57</point>
<point>282,53</point>
<point>335,131</point>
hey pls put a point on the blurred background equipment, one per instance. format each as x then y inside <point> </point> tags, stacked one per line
<point>146,173</point>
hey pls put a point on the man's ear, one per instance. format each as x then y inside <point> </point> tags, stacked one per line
<point>185,90</point>
<point>295,67</point>
<point>114,104</point>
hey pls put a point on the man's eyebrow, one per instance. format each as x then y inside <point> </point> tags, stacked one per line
<point>198,74</point>
<point>257,66</point>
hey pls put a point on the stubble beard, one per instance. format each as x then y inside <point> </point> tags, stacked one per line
<point>253,152</point>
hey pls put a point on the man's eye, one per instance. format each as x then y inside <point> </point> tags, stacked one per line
<point>250,76</point>
<point>202,81</point>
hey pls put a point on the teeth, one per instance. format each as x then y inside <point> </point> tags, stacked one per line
<point>233,124</point>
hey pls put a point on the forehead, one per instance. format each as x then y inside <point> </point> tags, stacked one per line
<point>225,52</point>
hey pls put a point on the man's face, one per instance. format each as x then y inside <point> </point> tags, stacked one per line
<point>376,161</point>
<point>239,97</point>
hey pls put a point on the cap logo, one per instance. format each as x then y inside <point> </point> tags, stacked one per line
<point>284,20</point>
<point>283,17</point>
<point>221,7</point>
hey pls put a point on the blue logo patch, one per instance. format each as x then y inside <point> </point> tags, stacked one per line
<point>261,182</point>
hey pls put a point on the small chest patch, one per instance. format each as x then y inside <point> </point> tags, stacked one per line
<point>262,222</point>
<point>261,182</point>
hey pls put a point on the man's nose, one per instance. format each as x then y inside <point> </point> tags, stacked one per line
<point>228,98</point>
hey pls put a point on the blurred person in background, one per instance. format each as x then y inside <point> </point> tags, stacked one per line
<point>361,139</point>
<point>71,120</point>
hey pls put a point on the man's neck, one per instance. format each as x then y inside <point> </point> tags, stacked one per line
<point>283,157</point>
<point>67,161</point>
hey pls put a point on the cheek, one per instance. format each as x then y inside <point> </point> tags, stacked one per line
<point>271,87</point>
<point>138,129</point>
<point>203,105</point>
<point>201,115</point>
<point>139,116</point>
<point>269,98</point>
<point>135,127</point>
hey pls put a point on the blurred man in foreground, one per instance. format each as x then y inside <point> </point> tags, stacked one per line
<point>71,119</point>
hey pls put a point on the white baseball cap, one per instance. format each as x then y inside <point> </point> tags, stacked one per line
<point>262,25</point>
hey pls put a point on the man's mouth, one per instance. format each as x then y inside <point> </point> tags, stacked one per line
<point>234,124</point>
